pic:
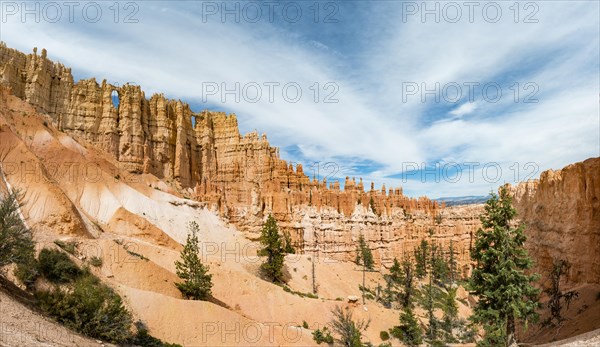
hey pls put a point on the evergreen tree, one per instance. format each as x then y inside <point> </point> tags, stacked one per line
<point>16,242</point>
<point>388,293</point>
<point>499,280</point>
<point>393,280</point>
<point>430,305</point>
<point>421,255</point>
<point>372,205</point>
<point>350,332</point>
<point>438,264</point>
<point>289,249</point>
<point>557,296</point>
<point>452,265</point>
<point>273,250</point>
<point>363,254</point>
<point>450,309</point>
<point>197,282</point>
<point>410,331</point>
<point>408,285</point>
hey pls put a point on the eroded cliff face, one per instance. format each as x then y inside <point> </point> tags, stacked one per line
<point>204,156</point>
<point>561,212</point>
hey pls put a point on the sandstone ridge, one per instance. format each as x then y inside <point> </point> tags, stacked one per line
<point>204,156</point>
<point>561,212</point>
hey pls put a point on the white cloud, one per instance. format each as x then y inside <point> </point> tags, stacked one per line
<point>464,109</point>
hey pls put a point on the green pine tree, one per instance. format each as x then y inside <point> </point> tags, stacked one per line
<point>450,309</point>
<point>396,274</point>
<point>408,285</point>
<point>452,265</point>
<point>410,330</point>
<point>349,331</point>
<point>393,280</point>
<point>499,279</point>
<point>273,249</point>
<point>372,205</point>
<point>388,293</point>
<point>421,255</point>
<point>197,282</point>
<point>364,256</point>
<point>430,306</point>
<point>288,248</point>
<point>16,242</point>
<point>439,266</point>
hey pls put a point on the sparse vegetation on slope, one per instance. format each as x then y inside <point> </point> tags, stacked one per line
<point>558,297</point>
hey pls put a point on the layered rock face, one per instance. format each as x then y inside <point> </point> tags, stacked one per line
<point>204,156</point>
<point>561,212</point>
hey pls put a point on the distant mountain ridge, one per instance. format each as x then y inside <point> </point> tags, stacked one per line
<point>462,200</point>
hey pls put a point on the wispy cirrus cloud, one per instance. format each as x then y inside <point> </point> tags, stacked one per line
<point>464,109</point>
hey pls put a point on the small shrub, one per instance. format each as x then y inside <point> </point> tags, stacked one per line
<point>304,324</point>
<point>384,335</point>
<point>96,261</point>
<point>27,272</point>
<point>143,338</point>
<point>117,177</point>
<point>304,295</point>
<point>57,267</point>
<point>312,296</point>
<point>69,247</point>
<point>135,254</point>
<point>45,124</point>
<point>321,336</point>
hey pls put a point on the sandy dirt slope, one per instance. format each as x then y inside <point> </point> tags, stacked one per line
<point>590,339</point>
<point>582,316</point>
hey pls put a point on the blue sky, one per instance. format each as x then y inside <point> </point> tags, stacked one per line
<point>373,60</point>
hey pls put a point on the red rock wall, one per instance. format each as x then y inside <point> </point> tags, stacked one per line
<point>561,212</point>
<point>205,157</point>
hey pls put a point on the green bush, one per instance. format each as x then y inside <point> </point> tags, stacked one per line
<point>135,254</point>
<point>90,307</point>
<point>304,324</point>
<point>96,261</point>
<point>143,338</point>
<point>27,272</point>
<point>69,247</point>
<point>384,335</point>
<point>57,267</point>
<point>321,336</point>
